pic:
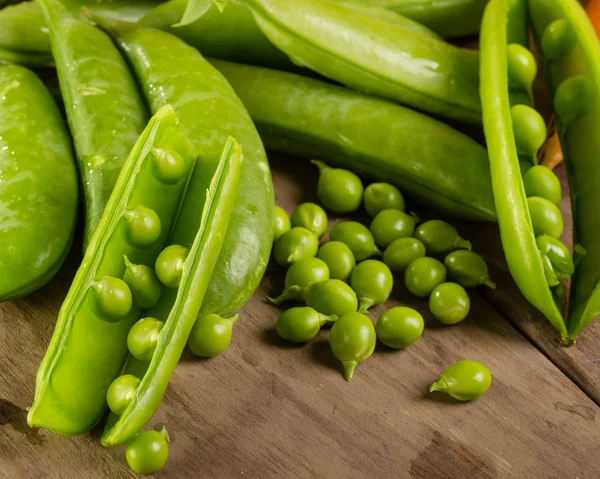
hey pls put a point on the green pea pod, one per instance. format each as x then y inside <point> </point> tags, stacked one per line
<point>504,24</point>
<point>426,159</point>
<point>89,347</point>
<point>209,112</point>
<point>569,50</point>
<point>184,308</point>
<point>38,186</point>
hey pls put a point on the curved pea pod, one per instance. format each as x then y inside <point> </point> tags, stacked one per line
<point>180,311</point>
<point>438,166</point>
<point>569,50</point>
<point>504,24</point>
<point>209,112</point>
<point>38,185</point>
<point>89,346</point>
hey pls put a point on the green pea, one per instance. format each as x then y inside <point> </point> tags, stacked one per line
<point>558,263</point>
<point>465,380</point>
<point>529,129</point>
<point>352,340</point>
<point>468,269</point>
<point>301,324</point>
<point>147,452</point>
<point>382,196</point>
<point>389,225</point>
<point>312,217</point>
<point>541,181</point>
<point>575,98</point>
<point>120,393</point>
<point>143,283</point>
<point>338,190</point>
<point>143,337</point>
<point>519,97</point>
<point>169,166</point>
<point>300,277</point>
<point>143,227</point>
<point>440,238</point>
<point>449,303</point>
<point>372,282</point>
<point>169,265</point>
<point>401,252</point>
<point>298,243</point>
<point>558,39</point>
<point>357,237</point>
<point>545,217</point>
<point>423,275</point>
<point>211,335</point>
<point>111,299</point>
<point>282,223</point>
<point>332,298</point>
<point>522,67</point>
<point>399,327</point>
<point>339,259</point>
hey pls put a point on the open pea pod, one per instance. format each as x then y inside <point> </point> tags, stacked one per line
<point>89,346</point>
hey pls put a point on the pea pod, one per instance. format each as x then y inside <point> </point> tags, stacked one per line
<point>438,166</point>
<point>89,347</point>
<point>38,187</point>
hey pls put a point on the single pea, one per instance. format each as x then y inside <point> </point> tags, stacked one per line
<point>529,129</point>
<point>390,225</point>
<point>465,380</point>
<point>519,97</point>
<point>440,238</point>
<point>352,340</point>
<point>401,252</point>
<point>301,324</point>
<point>372,282</point>
<point>332,298</point>
<point>339,259</point>
<point>143,227</point>
<point>111,299</point>
<point>282,223</point>
<point>541,181</point>
<point>169,265</point>
<point>300,277</point>
<point>338,190</point>
<point>298,243</point>
<point>120,393</point>
<point>399,327</point>
<point>357,237</point>
<point>558,263</point>
<point>522,67</point>
<point>382,196</point>
<point>423,275</point>
<point>169,166</point>
<point>468,269</point>
<point>558,39</point>
<point>449,303</point>
<point>143,283</point>
<point>211,335</point>
<point>147,452</point>
<point>312,217</point>
<point>143,338</point>
<point>545,217</point>
<point>575,98</point>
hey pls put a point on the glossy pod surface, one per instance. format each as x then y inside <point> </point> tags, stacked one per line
<point>38,187</point>
<point>439,167</point>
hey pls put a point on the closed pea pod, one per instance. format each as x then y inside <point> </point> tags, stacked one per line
<point>295,245</point>
<point>282,223</point>
<point>338,190</point>
<point>352,340</point>
<point>382,196</point>
<point>390,225</point>
<point>312,217</point>
<point>300,277</point>
<point>211,335</point>
<point>423,275</point>
<point>372,282</point>
<point>401,252</point>
<point>440,238</point>
<point>468,269</point>
<point>332,298</point>
<point>339,259</point>
<point>357,237</point>
<point>301,324</point>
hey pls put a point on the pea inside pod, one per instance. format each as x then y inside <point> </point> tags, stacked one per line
<point>298,243</point>
<point>312,217</point>
<point>372,282</point>
<point>339,259</point>
<point>211,335</point>
<point>558,263</point>
<point>143,283</point>
<point>332,298</point>
<point>352,340</point>
<point>465,380</point>
<point>143,338</point>
<point>468,269</point>
<point>357,237</point>
<point>546,218</point>
<point>440,238</point>
<point>301,324</point>
<point>541,181</point>
<point>338,190</point>
<point>300,277</point>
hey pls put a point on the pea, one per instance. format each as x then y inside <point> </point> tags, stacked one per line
<point>575,98</point>
<point>541,181</point>
<point>401,252</point>
<point>449,303</point>
<point>468,269</point>
<point>390,225</point>
<point>300,277</point>
<point>519,97</point>
<point>301,324</point>
<point>211,335</point>
<point>332,298</point>
<point>312,217</point>
<point>147,452</point>
<point>440,238</point>
<point>169,265</point>
<point>382,196</point>
<point>399,327</point>
<point>298,243</point>
<point>282,223</point>
<point>522,67</point>
<point>529,129</point>
<point>558,39</point>
<point>143,227</point>
<point>558,263</point>
<point>423,275</point>
<point>143,283</point>
<point>143,338</point>
<point>372,282</point>
<point>465,380</point>
<point>352,340</point>
<point>169,166</point>
<point>339,259</point>
<point>338,190</point>
<point>545,217</point>
<point>111,299</point>
<point>357,237</point>
<point>120,393</point>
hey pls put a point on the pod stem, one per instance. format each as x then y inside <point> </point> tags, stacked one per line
<point>377,252</point>
<point>439,385</point>
<point>164,433</point>
<point>234,319</point>
<point>349,368</point>
<point>282,298</point>
<point>321,165</point>
<point>461,243</point>
<point>327,319</point>
<point>364,304</point>
<point>487,281</point>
